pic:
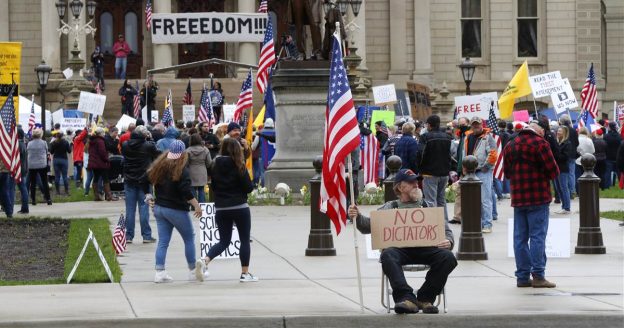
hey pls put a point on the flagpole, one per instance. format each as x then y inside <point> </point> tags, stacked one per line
<point>535,107</point>
<point>355,239</point>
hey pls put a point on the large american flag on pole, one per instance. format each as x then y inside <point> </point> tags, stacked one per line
<point>589,94</point>
<point>263,7</point>
<point>492,124</point>
<point>31,118</point>
<point>9,146</point>
<point>148,15</point>
<point>206,111</point>
<point>369,157</point>
<point>267,57</point>
<point>119,235</point>
<point>342,136</point>
<point>245,98</point>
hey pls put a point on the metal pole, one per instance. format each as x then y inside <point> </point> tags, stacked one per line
<point>468,88</point>
<point>43,112</point>
<point>320,239</point>
<point>355,240</point>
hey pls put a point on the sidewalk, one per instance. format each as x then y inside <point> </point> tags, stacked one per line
<point>295,290</point>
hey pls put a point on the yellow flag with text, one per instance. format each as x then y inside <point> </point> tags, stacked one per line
<point>249,138</point>
<point>10,61</point>
<point>518,87</point>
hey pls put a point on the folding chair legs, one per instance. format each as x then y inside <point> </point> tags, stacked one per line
<point>386,290</point>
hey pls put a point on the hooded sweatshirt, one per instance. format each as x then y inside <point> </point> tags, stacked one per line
<point>199,163</point>
<point>170,135</point>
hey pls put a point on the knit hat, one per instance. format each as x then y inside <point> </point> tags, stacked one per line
<point>176,148</point>
<point>233,126</point>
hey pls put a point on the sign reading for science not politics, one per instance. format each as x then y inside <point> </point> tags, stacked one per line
<point>208,27</point>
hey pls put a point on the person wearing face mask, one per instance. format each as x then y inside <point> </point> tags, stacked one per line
<point>463,127</point>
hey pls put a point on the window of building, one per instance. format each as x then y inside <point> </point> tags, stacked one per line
<point>131,30</point>
<point>106,32</point>
<point>527,30</point>
<point>471,29</point>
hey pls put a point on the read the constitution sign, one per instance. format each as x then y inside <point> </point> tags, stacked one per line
<point>407,227</point>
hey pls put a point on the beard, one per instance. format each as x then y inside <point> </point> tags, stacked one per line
<point>415,195</point>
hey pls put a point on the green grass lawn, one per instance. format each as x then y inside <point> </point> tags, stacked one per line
<point>613,192</point>
<point>613,215</point>
<point>75,195</point>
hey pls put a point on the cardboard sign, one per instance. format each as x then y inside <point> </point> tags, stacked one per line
<point>188,113</point>
<point>545,84</point>
<point>384,94</point>
<point>521,116</point>
<point>557,238</point>
<point>407,227</point>
<point>564,99</point>
<point>228,113</point>
<point>91,103</point>
<point>73,124</point>
<point>419,100</point>
<point>477,105</point>
<point>208,27</point>
<point>57,116</point>
<point>124,121</point>
<point>383,115</point>
<point>209,234</point>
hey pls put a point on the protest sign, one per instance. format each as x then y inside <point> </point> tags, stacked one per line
<point>68,73</point>
<point>383,115</point>
<point>557,238</point>
<point>420,104</point>
<point>73,124</point>
<point>210,234</point>
<point>521,116</point>
<point>91,103</point>
<point>188,113</point>
<point>124,121</point>
<point>57,116</point>
<point>228,113</point>
<point>10,63</point>
<point>564,99</point>
<point>477,105</point>
<point>384,94</point>
<point>208,27</point>
<point>545,84</point>
<point>407,227</point>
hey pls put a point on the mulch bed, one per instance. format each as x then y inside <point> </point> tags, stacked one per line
<point>33,249</point>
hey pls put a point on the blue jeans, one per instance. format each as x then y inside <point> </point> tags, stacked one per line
<point>609,172</point>
<point>199,194</point>
<point>60,170</point>
<point>571,178</point>
<point>7,190</point>
<point>136,197</point>
<point>120,68</point>
<point>486,198</point>
<point>100,183</point>
<point>494,199</point>
<point>530,228</point>
<point>77,173</point>
<point>564,191</point>
<point>166,220</point>
<point>23,187</point>
<point>498,188</point>
<point>506,187</point>
<point>434,191</point>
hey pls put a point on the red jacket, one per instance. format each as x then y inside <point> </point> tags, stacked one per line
<point>121,49</point>
<point>79,146</point>
<point>98,156</point>
<point>123,138</point>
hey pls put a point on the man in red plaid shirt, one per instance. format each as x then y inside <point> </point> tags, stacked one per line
<point>530,166</point>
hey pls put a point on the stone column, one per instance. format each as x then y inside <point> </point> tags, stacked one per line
<point>359,37</point>
<point>4,21</point>
<point>247,51</point>
<point>423,70</point>
<point>398,51</point>
<point>50,40</point>
<point>163,53</point>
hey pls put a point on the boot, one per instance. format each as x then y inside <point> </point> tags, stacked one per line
<point>107,192</point>
<point>66,188</point>
<point>58,189</point>
<point>96,194</point>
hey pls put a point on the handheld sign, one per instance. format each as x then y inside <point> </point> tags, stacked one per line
<point>73,124</point>
<point>210,234</point>
<point>564,99</point>
<point>407,227</point>
<point>384,94</point>
<point>383,115</point>
<point>521,116</point>
<point>477,105</point>
<point>91,103</point>
<point>545,84</point>
<point>188,113</point>
<point>124,122</point>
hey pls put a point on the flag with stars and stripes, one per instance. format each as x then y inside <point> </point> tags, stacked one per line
<point>119,235</point>
<point>589,93</point>
<point>492,124</point>
<point>9,146</point>
<point>136,101</point>
<point>341,137</point>
<point>245,99</point>
<point>263,7</point>
<point>31,118</point>
<point>206,110</point>
<point>167,118</point>
<point>148,15</point>
<point>586,120</point>
<point>98,88</point>
<point>267,58</point>
<point>369,158</point>
<point>188,94</point>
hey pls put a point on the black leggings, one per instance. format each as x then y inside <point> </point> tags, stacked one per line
<point>100,174</point>
<point>225,219</point>
<point>32,179</point>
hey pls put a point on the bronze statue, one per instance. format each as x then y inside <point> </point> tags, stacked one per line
<point>299,13</point>
<point>332,16</point>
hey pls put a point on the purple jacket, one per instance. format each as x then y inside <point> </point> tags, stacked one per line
<point>98,156</point>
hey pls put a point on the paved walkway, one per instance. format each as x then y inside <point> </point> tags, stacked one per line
<point>319,288</point>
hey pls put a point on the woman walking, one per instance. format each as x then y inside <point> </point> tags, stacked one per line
<point>59,147</point>
<point>99,164</point>
<point>172,183</point>
<point>38,166</point>
<point>566,152</point>
<point>199,163</point>
<point>231,184</point>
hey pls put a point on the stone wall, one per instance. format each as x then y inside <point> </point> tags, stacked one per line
<point>25,27</point>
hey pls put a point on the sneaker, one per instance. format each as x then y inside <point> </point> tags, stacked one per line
<point>543,283</point>
<point>455,221</point>
<point>522,284</point>
<point>200,273</point>
<point>405,307</point>
<point>162,277</point>
<point>248,277</point>
<point>557,201</point>
<point>149,241</point>
<point>562,212</point>
<point>495,218</point>
<point>203,275</point>
<point>427,307</point>
<point>507,196</point>
<point>128,241</point>
<point>486,230</point>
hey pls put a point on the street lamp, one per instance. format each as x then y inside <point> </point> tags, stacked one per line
<point>43,73</point>
<point>467,68</point>
<point>355,6</point>
<point>343,5</point>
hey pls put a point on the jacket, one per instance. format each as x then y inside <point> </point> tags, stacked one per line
<point>138,155</point>
<point>112,145</point>
<point>613,140</point>
<point>407,149</point>
<point>127,94</point>
<point>585,146</point>
<point>619,160</point>
<point>23,157</point>
<point>79,146</point>
<point>229,185</point>
<point>170,135</point>
<point>485,150</point>
<point>434,153</point>
<point>600,149</point>
<point>174,194</point>
<point>199,163</point>
<point>121,49</point>
<point>60,148</point>
<point>98,156</point>
<point>211,142</point>
<point>530,166</point>
<point>37,154</point>
<point>565,154</point>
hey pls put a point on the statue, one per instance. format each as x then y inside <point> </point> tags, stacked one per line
<point>299,13</point>
<point>332,16</point>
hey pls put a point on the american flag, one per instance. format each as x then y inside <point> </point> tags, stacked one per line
<point>589,94</point>
<point>136,102</point>
<point>119,235</point>
<point>369,158</point>
<point>586,120</point>
<point>31,118</point>
<point>492,124</point>
<point>263,7</point>
<point>267,57</point>
<point>167,118</point>
<point>341,137</point>
<point>9,146</point>
<point>206,111</point>
<point>148,15</point>
<point>245,99</point>
<point>188,95</point>
<point>98,89</point>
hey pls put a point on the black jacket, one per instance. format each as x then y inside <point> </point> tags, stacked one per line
<point>174,194</point>
<point>619,160</point>
<point>211,142</point>
<point>573,136</point>
<point>60,148</point>
<point>554,145</point>
<point>112,145</point>
<point>600,149</point>
<point>230,186</point>
<point>613,140</point>
<point>138,155</point>
<point>565,153</point>
<point>434,153</point>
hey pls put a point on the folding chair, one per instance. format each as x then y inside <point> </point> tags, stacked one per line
<point>386,289</point>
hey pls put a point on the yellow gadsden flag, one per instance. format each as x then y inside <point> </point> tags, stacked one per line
<point>518,87</point>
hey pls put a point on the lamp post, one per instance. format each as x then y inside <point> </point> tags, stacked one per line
<point>43,73</point>
<point>467,68</point>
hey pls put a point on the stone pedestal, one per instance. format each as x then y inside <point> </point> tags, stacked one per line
<point>471,243</point>
<point>589,236</point>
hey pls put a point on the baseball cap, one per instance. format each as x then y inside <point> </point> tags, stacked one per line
<point>476,119</point>
<point>406,175</point>
<point>176,148</point>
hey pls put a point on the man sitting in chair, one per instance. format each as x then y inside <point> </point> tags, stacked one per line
<point>439,258</point>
